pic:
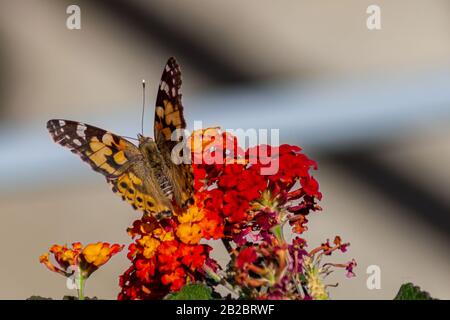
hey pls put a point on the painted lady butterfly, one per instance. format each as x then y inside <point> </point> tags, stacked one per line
<point>144,175</point>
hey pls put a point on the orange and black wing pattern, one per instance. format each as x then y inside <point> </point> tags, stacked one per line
<point>117,159</point>
<point>169,110</point>
<point>168,127</point>
<point>104,151</point>
<point>138,187</point>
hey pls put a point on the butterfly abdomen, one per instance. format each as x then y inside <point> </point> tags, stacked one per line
<point>165,185</point>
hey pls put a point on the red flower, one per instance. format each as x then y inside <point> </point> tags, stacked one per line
<point>145,269</point>
<point>199,177</point>
<point>213,200</point>
<point>311,187</point>
<point>192,256</point>
<point>168,255</point>
<point>245,257</point>
<point>176,279</point>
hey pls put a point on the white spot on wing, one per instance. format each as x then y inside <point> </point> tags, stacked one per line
<point>164,86</point>
<point>81,128</point>
<point>77,142</point>
<point>62,123</point>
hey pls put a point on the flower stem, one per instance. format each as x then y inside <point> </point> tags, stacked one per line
<point>81,283</point>
<point>213,275</point>
<point>277,230</point>
<point>227,245</point>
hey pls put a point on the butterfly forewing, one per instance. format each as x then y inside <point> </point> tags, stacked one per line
<point>104,151</point>
<point>169,122</point>
<point>168,109</point>
<point>120,161</point>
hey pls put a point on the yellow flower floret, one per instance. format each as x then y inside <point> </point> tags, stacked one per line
<point>150,245</point>
<point>189,233</point>
<point>193,214</point>
<point>163,235</point>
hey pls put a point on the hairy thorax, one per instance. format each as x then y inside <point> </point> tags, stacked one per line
<point>157,164</point>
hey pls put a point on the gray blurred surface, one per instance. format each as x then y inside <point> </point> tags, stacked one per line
<point>336,88</point>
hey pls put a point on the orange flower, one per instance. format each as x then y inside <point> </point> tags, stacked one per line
<point>44,259</point>
<point>86,260</point>
<point>215,146</point>
<point>79,262</point>
<point>176,279</point>
<point>163,235</point>
<point>99,253</point>
<point>150,246</point>
<point>211,228</point>
<point>64,256</point>
<point>202,139</point>
<point>193,214</point>
<point>189,233</point>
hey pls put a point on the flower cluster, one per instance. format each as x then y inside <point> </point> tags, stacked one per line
<point>87,259</point>
<point>252,203</point>
<point>273,269</point>
<point>166,254</point>
<point>238,202</point>
<point>244,198</point>
<point>79,261</point>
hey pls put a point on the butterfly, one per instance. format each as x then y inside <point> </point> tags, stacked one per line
<point>145,175</point>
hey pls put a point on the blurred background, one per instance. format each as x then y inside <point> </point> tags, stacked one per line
<point>371,106</point>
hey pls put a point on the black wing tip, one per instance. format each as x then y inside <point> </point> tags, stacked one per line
<point>50,123</point>
<point>52,126</point>
<point>56,122</point>
<point>173,65</point>
<point>172,60</point>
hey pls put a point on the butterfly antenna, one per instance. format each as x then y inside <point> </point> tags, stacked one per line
<point>143,107</point>
<point>131,138</point>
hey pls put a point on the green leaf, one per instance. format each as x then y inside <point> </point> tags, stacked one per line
<point>409,291</point>
<point>195,291</point>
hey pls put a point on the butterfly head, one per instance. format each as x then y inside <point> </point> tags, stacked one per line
<point>143,139</point>
<point>149,147</point>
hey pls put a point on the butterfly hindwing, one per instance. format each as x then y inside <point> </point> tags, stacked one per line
<point>141,193</point>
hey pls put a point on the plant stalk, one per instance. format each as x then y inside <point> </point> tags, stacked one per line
<point>80,286</point>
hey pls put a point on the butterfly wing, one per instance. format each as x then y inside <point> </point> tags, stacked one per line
<point>169,110</point>
<point>168,118</point>
<point>119,160</point>
<point>137,186</point>
<point>105,152</point>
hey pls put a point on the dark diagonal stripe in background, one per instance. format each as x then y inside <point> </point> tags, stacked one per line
<point>361,165</point>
